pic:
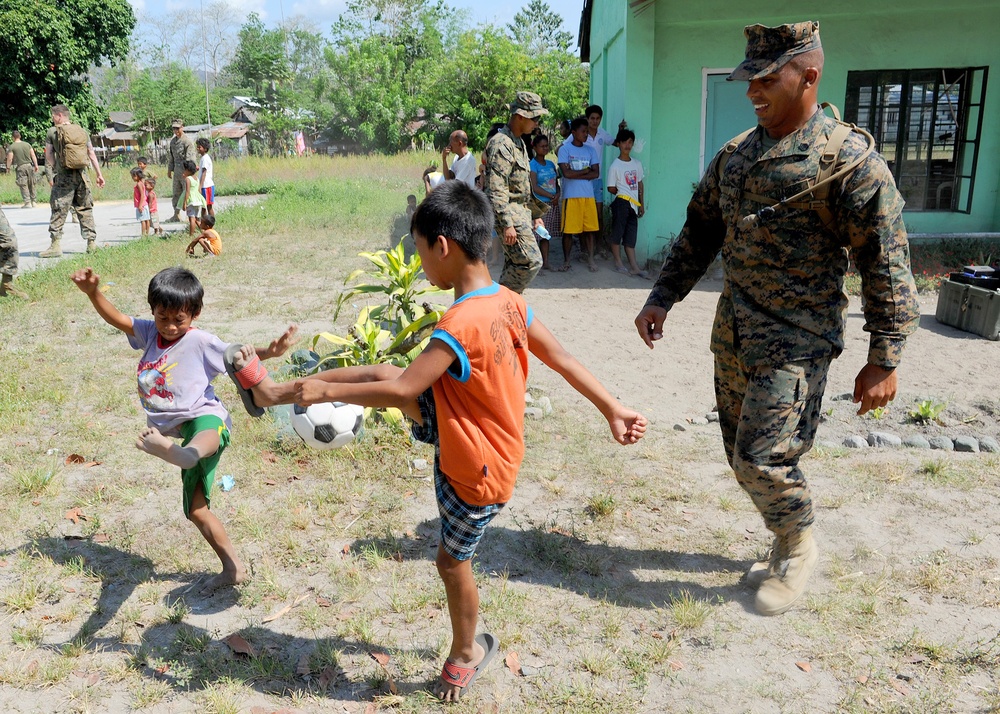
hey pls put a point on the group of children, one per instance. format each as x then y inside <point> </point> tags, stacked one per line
<point>573,189</point>
<point>198,202</point>
<point>465,393</point>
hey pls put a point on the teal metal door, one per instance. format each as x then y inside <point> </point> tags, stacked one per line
<point>728,113</point>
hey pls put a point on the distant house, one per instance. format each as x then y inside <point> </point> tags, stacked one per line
<point>117,136</point>
<point>245,109</point>
<point>913,73</point>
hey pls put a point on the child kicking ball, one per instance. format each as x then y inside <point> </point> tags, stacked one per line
<point>465,395</point>
<point>175,376</point>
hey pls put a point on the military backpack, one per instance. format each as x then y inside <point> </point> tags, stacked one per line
<point>73,142</point>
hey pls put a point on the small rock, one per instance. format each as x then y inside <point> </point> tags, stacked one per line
<point>528,399</point>
<point>916,441</point>
<point>680,427</point>
<point>699,421</point>
<point>941,442</point>
<point>418,464</point>
<point>825,444</point>
<point>884,439</point>
<point>855,442</point>
<point>843,397</point>
<point>967,444</point>
<point>989,445</point>
<point>533,412</point>
<point>712,417</point>
<point>545,404</point>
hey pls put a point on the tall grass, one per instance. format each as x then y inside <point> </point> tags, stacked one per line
<point>249,175</point>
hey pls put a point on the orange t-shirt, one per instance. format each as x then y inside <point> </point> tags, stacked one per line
<point>480,399</point>
<point>214,241</point>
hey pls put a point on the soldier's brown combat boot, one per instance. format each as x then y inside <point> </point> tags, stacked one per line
<point>54,251</point>
<point>762,568</point>
<point>91,246</point>
<point>787,577</point>
<point>7,288</point>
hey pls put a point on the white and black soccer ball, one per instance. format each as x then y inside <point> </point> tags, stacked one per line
<point>328,425</point>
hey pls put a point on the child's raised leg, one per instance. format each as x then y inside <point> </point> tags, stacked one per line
<point>203,444</point>
<point>463,609</point>
<point>233,572</point>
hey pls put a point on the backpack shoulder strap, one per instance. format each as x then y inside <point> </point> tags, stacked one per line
<point>729,149</point>
<point>827,168</point>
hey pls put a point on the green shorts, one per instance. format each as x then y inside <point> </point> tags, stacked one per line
<point>204,471</point>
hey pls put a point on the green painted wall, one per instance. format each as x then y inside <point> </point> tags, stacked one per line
<point>650,70</point>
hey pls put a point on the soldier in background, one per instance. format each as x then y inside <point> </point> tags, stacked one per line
<point>508,186</point>
<point>22,160</point>
<point>780,318</point>
<point>181,150</point>
<point>70,186</point>
<point>8,259</point>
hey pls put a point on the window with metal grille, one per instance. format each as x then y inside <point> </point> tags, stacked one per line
<point>927,124</point>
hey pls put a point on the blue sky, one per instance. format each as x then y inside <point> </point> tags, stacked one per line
<point>325,12</point>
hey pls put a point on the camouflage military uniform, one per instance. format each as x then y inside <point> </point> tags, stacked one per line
<point>181,150</point>
<point>780,318</point>
<point>8,247</point>
<point>508,187</point>
<point>70,189</point>
<point>24,169</point>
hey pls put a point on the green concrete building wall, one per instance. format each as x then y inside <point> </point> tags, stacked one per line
<point>647,66</point>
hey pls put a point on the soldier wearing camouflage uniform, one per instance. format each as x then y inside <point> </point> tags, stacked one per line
<point>22,160</point>
<point>508,186</point>
<point>780,318</point>
<point>181,150</point>
<point>8,259</point>
<point>70,189</point>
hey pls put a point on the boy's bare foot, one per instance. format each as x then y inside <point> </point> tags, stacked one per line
<point>593,268</point>
<point>243,356</point>
<point>153,442</point>
<point>225,579</point>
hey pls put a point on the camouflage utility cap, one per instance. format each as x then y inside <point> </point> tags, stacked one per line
<point>528,104</point>
<point>177,124</point>
<point>771,48</point>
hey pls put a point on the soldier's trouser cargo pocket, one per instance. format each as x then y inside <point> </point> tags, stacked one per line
<point>769,417</point>
<point>523,260</point>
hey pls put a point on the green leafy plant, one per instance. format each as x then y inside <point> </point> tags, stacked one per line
<point>927,411</point>
<point>878,413</point>
<point>400,280</point>
<point>394,332</point>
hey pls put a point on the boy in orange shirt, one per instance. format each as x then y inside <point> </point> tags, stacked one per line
<point>465,395</point>
<point>208,239</point>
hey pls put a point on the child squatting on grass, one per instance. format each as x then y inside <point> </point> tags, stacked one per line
<point>175,376</point>
<point>209,239</point>
<point>465,395</point>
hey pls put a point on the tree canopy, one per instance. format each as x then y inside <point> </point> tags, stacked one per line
<point>48,48</point>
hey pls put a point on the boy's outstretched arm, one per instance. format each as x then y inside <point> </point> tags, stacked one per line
<point>627,425</point>
<point>89,282</point>
<point>401,391</point>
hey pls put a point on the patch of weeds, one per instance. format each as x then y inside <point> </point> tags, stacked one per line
<point>934,574</point>
<point>35,480</point>
<point>878,413</point>
<point>600,664</point>
<point>27,636</point>
<point>148,692</point>
<point>972,538</point>
<point>177,611</point>
<point>926,411</point>
<point>222,697</point>
<point>687,612</point>
<point>24,596</point>
<point>601,506</point>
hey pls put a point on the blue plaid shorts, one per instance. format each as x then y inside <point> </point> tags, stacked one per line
<point>462,524</point>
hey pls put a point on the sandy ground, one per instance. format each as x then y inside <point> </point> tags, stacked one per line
<point>673,382</point>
